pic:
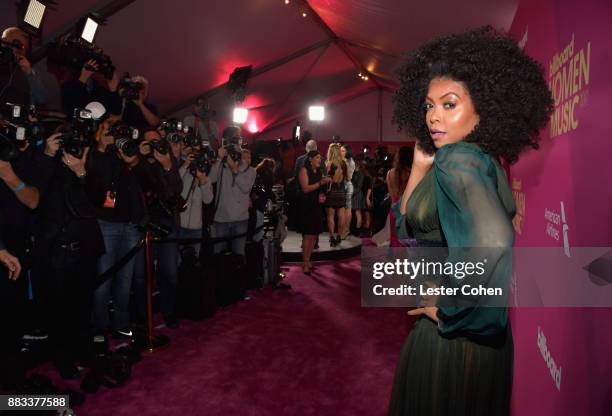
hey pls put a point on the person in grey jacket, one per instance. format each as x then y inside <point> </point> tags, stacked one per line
<point>234,179</point>
<point>197,190</point>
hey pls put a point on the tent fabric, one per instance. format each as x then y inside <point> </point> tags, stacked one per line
<point>190,47</point>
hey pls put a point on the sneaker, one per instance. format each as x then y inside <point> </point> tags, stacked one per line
<point>125,333</point>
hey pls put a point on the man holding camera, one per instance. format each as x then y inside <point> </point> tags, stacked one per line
<point>119,203</point>
<point>17,40</point>
<point>137,111</point>
<point>89,86</point>
<point>68,245</point>
<point>157,173</point>
<point>19,196</point>
<point>203,122</point>
<point>197,190</point>
<point>234,178</point>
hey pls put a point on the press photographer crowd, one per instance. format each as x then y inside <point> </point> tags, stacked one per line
<point>86,194</point>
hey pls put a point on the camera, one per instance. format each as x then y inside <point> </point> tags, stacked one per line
<point>17,130</point>
<point>200,163</point>
<point>73,52</point>
<point>129,89</point>
<point>189,137</point>
<point>6,52</point>
<point>232,146</point>
<point>172,127</point>
<point>72,143</point>
<point>126,138</point>
<point>160,145</point>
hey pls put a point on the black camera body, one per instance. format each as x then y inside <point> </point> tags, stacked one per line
<point>17,130</point>
<point>159,145</point>
<point>126,139</point>
<point>6,54</point>
<point>73,52</point>
<point>172,127</point>
<point>72,142</point>
<point>201,163</point>
<point>129,89</point>
<point>189,137</point>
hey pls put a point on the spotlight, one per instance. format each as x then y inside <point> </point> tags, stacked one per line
<point>304,14</point>
<point>33,13</point>
<point>240,115</point>
<point>316,113</point>
<point>286,1</point>
<point>365,149</point>
<point>89,30</point>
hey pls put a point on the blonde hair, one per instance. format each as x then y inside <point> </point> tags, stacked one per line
<point>334,156</point>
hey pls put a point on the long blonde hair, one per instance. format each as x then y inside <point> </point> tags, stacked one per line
<point>334,154</point>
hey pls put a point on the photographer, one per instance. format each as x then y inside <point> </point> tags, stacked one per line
<point>234,177</point>
<point>90,86</point>
<point>197,190</point>
<point>69,243</point>
<point>136,110</point>
<point>17,39</point>
<point>203,122</point>
<point>119,204</point>
<point>19,196</point>
<point>157,173</point>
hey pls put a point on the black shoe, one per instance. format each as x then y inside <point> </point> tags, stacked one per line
<point>67,370</point>
<point>171,321</point>
<point>332,241</point>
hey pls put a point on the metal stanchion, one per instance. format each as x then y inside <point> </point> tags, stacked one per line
<point>151,342</point>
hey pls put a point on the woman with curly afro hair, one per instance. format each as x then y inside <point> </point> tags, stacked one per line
<point>471,101</point>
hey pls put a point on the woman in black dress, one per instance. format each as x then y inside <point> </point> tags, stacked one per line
<point>309,222</point>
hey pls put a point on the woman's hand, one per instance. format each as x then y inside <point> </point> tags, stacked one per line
<point>163,159</point>
<point>421,159</point>
<point>52,144</point>
<point>430,311</point>
<point>75,164</point>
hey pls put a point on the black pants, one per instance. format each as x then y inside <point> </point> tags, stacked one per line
<point>11,311</point>
<point>68,304</point>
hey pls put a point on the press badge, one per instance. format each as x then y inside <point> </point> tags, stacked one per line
<point>110,199</point>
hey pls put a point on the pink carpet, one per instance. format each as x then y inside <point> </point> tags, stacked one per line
<point>310,350</point>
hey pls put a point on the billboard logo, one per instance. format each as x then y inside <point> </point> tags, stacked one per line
<point>555,372</point>
<point>569,72</point>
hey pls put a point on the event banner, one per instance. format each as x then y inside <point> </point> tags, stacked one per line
<point>563,193</point>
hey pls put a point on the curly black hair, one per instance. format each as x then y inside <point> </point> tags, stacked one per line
<point>507,88</point>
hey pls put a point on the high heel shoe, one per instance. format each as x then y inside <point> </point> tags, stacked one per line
<point>306,270</point>
<point>332,241</point>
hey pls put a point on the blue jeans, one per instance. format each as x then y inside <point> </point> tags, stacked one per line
<point>230,229</point>
<point>119,238</point>
<point>166,255</point>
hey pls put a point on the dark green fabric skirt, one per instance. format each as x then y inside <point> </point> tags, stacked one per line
<point>439,375</point>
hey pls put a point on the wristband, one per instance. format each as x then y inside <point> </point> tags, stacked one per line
<point>19,188</point>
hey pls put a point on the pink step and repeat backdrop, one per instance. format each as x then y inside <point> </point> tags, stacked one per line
<point>563,356</point>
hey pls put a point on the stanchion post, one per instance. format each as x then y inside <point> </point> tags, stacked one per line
<point>152,342</point>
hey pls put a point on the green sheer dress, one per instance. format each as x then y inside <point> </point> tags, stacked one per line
<point>461,365</point>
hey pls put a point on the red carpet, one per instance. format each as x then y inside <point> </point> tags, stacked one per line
<point>309,350</point>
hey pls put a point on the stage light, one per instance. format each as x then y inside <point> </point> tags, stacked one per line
<point>240,115</point>
<point>304,14</point>
<point>253,127</point>
<point>365,149</point>
<point>316,113</point>
<point>89,30</point>
<point>296,131</point>
<point>34,13</point>
<point>286,1</point>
